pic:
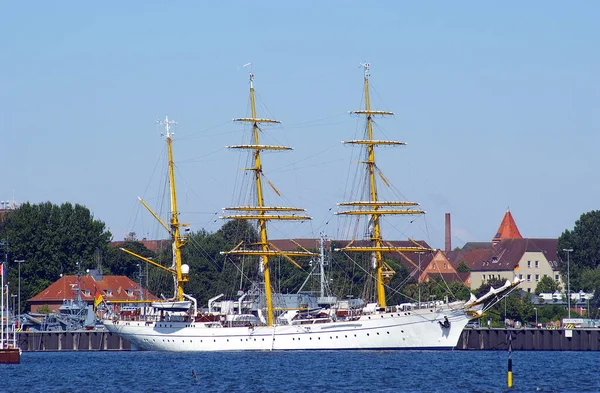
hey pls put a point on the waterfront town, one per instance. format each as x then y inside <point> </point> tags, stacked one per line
<point>70,303</point>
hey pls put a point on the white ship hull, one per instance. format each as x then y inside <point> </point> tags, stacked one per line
<point>416,329</point>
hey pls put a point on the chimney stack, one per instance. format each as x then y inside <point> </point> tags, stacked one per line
<point>448,234</point>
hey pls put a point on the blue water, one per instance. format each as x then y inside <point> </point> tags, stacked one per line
<point>329,371</point>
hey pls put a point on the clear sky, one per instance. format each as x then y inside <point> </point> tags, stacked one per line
<point>497,101</point>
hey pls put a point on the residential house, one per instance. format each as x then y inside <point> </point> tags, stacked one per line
<point>509,255</point>
<point>439,266</point>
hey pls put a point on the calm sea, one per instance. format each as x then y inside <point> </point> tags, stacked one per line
<point>334,371</point>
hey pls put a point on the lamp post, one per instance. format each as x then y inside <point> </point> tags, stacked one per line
<point>140,280</point>
<point>13,298</point>
<point>535,309</point>
<point>568,251</point>
<point>19,261</point>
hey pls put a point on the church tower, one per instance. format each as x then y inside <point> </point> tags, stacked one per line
<point>508,229</point>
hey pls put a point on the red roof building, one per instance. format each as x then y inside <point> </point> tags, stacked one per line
<point>119,288</point>
<point>441,266</point>
<point>528,259</point>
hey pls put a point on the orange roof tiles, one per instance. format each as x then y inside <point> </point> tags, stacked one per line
<point>508,229</point>
<point>110,287</point>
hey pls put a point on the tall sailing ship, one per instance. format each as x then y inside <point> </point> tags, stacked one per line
<point>254,321</point>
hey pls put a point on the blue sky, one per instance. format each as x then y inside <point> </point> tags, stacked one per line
<point>498,103</point>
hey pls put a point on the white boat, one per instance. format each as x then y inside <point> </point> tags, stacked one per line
<point>239,324</point>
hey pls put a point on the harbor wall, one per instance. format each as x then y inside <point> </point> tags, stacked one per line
<point>470,339</point>
<point>71,341</point>
<point>530,339</point>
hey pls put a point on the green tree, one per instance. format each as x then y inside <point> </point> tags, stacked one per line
<point>584,240</point>
<point>117,262</point>
<point>590,280</point>
<point>51,239</point>
<point>462,267</point>
<point>485,287</point>
<point>44,309</point>
<point>547,285</point>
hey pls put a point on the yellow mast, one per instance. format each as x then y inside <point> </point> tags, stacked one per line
<point>176,238</point>
<point>180,276</point>
<point>373,207</point>
<point>260,212</point>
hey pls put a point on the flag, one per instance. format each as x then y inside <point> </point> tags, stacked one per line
<point>99,299</point>
<point>516,267</point>
<point>1,269</point>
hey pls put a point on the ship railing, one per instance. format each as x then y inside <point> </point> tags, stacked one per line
<point>140,318</point>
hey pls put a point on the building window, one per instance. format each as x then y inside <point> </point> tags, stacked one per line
<point>483,277</point>
<point>445,266</point>
<point>520,276</point>
<point>529,290</point>
<point>529,264</point>
<point>529,277</point>
<point>537,264</point>
<point>556,277</point>
<point>537,278</point>
<point>545,275</point>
